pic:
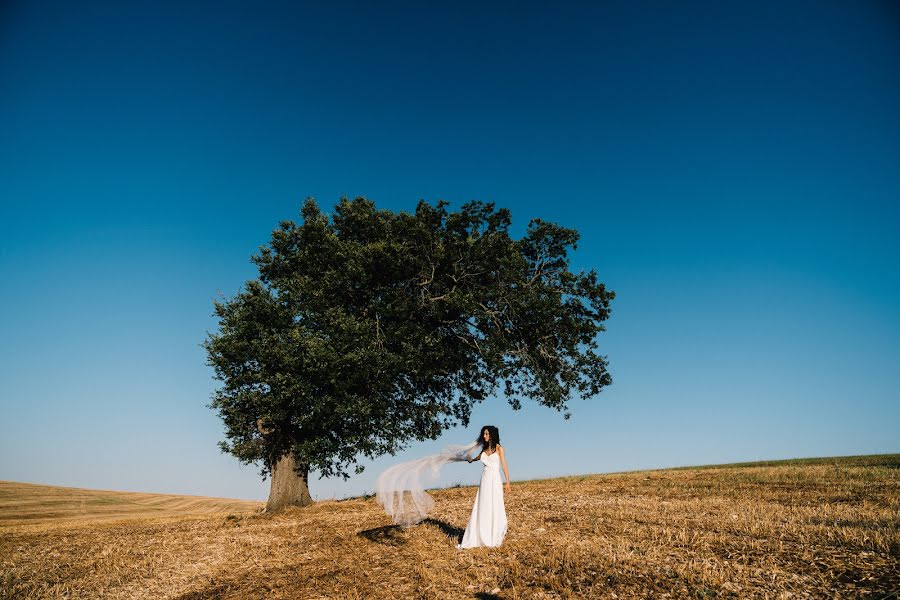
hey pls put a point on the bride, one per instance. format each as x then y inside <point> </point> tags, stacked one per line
<point>487,523</point>
<point>400,489</point>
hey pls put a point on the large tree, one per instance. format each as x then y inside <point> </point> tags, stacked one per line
<point>372,329</point>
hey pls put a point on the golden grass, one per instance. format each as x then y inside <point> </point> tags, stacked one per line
<point>804,529</point>
<point>31,503</point>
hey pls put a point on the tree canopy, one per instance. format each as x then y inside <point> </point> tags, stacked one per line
<point>372,329</point>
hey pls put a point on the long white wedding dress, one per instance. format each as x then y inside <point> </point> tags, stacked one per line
<point>487,524</point>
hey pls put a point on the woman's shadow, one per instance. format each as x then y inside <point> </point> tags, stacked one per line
<point>388,535</point>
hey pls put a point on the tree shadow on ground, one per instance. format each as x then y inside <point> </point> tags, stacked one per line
<point>389,535</point>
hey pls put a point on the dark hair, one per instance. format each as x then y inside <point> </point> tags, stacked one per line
<point>495,437</point>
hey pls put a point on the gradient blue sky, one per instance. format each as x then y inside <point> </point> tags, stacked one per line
<point>733,168</point>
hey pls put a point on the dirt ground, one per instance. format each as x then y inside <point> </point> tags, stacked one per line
<point>819,528</point>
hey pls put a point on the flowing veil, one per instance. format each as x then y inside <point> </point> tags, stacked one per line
<point>400,489</point>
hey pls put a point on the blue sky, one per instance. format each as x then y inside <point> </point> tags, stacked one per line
<point>733,169</point>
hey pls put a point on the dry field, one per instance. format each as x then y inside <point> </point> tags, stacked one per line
<point>821,528</point>
<point>34,504</point>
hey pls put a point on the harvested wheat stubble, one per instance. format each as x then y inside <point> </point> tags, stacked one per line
<point>33,504</point>
<point>797,529</point>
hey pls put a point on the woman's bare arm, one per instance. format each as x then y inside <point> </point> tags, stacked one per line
<point>503,462</point>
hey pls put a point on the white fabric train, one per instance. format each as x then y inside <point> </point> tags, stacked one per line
<point>400,489</point>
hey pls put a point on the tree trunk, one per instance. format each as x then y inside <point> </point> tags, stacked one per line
<point>290,484</point>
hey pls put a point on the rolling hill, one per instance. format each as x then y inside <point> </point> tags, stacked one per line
<point>817,528</point>
<point>35,504</point>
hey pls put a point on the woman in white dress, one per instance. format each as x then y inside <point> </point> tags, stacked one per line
<point>487,524</point>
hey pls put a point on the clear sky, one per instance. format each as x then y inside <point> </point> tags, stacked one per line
<point>733,168</point>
